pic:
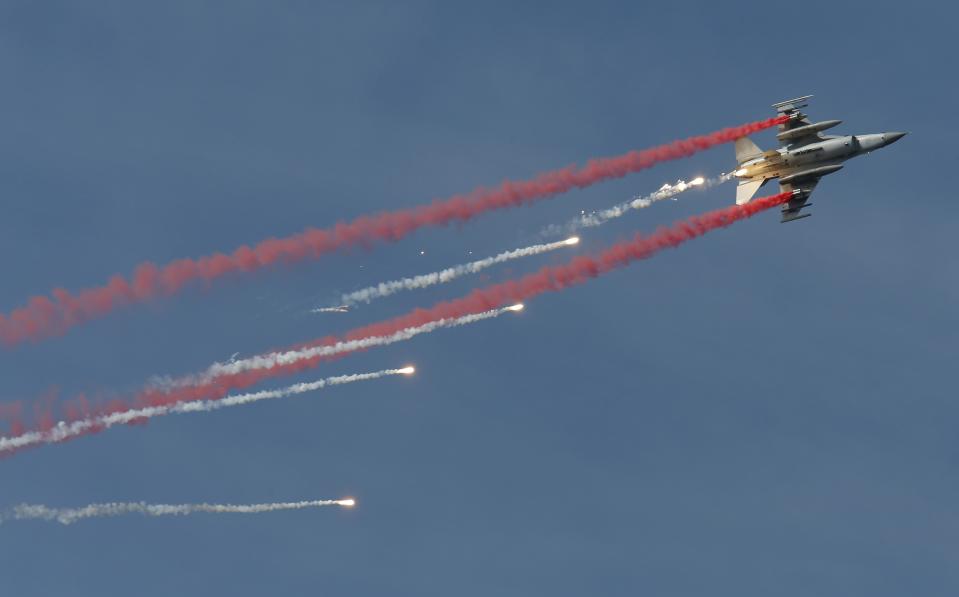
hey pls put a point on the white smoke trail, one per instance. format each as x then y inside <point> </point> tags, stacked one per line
<point>449,274</point>
<point>64,430</point>
<point>72,515</point>
<point>267,361</point>
<point>337,309</point>
<point>667,191</point>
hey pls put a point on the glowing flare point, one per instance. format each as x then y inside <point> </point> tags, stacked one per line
<point>410,370</point>
<point>697,181</point>
<point>573,240</point>
<point>348,503</point>
<point>516,307</point>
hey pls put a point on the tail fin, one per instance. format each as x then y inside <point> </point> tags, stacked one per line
<point>746,150</point>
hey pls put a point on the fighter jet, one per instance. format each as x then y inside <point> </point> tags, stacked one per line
<point>804,156</point>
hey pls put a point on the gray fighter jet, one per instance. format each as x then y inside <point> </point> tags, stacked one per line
<point>804,156</point>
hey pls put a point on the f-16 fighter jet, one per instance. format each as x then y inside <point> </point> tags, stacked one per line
<point>804,156</point>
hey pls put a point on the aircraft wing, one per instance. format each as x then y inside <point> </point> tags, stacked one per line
<point>790,210</point>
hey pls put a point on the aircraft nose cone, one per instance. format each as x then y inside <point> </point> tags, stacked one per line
<point>893,137</point>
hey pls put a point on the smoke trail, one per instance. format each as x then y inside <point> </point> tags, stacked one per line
<point>449,274</point>
<point>173,396</point>
<point>221,378</point>
<point>592,219</point>
<point>321,351</point>
<point>667,191</point>
<point>479,304</point>
<point>72,515</point>
<point>46,316</point>
<point>63,430</point>
<point>549,278</point>
<point>338,309</point>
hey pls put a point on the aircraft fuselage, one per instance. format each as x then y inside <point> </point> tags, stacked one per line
<point>788,160</point>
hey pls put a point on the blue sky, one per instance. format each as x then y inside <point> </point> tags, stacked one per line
<point>767,409</point>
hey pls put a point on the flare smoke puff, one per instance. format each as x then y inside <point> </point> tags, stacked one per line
<point>52,315</point>
<point>667,191</point>
<point>490,299</point>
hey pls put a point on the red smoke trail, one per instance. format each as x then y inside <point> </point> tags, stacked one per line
<point>46,316</point>
<point>549,279</point>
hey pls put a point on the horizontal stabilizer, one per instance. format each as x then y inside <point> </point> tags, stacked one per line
<point>747,189</point>
<point>746,150</point>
